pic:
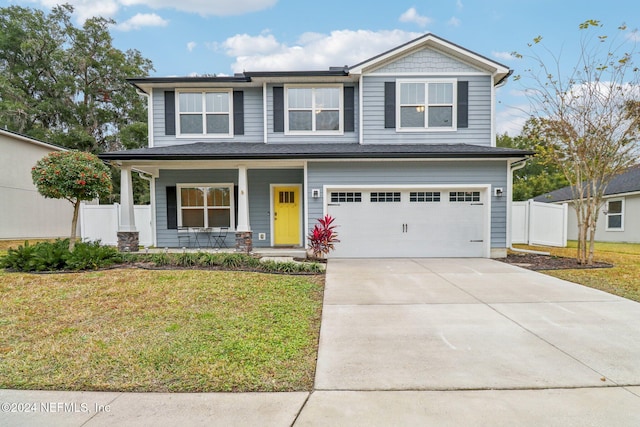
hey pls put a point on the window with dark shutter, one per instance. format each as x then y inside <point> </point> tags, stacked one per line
<point>169,112</point>
<point>390,105</point>
<point>172,208</point>
<point>238,112</point>
<point>463,104</point>
<point>278,109</point>
<point>349,109</point>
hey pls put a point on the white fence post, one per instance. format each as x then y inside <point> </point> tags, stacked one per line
<point>100,222</point>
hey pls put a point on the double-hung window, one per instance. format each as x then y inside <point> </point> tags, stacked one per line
<point>615,215</point>
<point>205,113</point>
<point>315,109</point>
<point>205,205</point>
<point>426,105</point>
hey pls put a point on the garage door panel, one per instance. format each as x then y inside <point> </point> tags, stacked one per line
<point>432,227</point>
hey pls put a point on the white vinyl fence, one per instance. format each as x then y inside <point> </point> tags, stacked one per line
<point>100,222</point>
<point>537,223</point>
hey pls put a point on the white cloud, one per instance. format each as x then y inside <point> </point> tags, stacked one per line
<point>453,22</point>
<point>412,15</point>
<point>206,7</point>
<point>85,9</point>
<point>312,51</point>
<point>141,20</point>
<point>191,46</point>
<point>511,119</point>
<point>459,5</point>
<point>505,56</point>
<point>634,36</point>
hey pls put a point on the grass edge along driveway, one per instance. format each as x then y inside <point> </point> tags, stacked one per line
<point>159,331</point>
<point>622,280</point>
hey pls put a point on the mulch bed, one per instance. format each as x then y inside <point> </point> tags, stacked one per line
<point>548,262</point>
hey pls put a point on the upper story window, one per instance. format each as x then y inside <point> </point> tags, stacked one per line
<point>205,113</point>
<point>316,109</point>
<point>426,105</point>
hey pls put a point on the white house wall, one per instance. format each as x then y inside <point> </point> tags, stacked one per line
<point>24,213</point>
<point>631,223</point>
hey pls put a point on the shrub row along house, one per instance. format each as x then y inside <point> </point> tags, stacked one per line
<point>400,149</point>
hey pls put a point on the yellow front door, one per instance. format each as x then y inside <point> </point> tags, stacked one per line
<point>286,216</point>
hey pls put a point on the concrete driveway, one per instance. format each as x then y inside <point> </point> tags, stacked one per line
<point>472,341</point>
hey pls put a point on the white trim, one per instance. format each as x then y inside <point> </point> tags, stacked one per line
<point>484,188</point>
<point>152,202</point>
<point>203,113</point>
<point>305,219</point>
<point>606,216</point>
<point>271,212</point>
<point>229,185</point>
<point>427,74</point>
<point>361,110</point>
<point>493,114</point>
<point>426,82</point>
<point>313,108</point>
<point>150,133</point>
<point>265,116</point>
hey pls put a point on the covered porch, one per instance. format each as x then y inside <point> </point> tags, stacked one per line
<point>219,204</point>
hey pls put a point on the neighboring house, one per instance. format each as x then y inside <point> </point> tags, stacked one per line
<point>400,149</point>
<point>618,218</point>
<point>24,213</point>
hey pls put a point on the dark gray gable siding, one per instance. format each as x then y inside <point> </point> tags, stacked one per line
<point>253,121</point>
<point>403,173</point>
<point>377,115</point>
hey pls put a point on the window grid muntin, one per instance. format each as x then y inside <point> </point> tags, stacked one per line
<point>346,197</point>
<point>204,204</point>
<point>314,117</point>
<point>200,112</point>
<point>385,197</point>
<point>615,215</point>
<point>424,196</point>
<point>415,112</point>
<point>464,196</point>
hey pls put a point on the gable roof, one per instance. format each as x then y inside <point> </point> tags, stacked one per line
<point>239,150</point>
<point>25,138</point>
<point>626,182</point>
<point>500,72</point>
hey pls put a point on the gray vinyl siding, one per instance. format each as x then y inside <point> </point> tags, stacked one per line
<point>253,121</point>
<point>410,173</point>
<point>426,60</point>
<point>478,132</point>
<point>282,138</point>
<point>259,181</point>
<point>260,213</point>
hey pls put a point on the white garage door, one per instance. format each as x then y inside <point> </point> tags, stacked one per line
<point>409,222</point>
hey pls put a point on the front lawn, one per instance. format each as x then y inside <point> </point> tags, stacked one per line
<point>169,330</point>
<point>623,279</point>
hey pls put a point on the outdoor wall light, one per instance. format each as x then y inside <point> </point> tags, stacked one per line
<point>315,193</point>
<point>499,192</point>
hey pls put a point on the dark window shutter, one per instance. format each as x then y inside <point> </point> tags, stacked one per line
<point>172,208</point>
<point>390,104</point>
<point>278,109</point>
<point>349,109</point>
<point>169,112</point>
<point>463,104</point>
<point>238,112</point>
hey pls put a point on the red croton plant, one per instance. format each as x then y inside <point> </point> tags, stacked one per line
<point>323,236</point>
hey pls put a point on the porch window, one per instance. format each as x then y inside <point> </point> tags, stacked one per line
<point>313,109</point>
<point>206,205</point>
<point>615,215</point>
<point>204,113</point>
<point>426,105</point>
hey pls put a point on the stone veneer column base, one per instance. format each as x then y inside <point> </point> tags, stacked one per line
<point>128,241</point>
<point>244,241</point>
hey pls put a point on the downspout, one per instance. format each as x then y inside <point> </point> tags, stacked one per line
<point>514,167</point>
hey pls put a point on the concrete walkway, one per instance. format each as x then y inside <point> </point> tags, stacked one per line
<point>418,342</point>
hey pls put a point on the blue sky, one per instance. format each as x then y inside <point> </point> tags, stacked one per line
<point>187,37</point>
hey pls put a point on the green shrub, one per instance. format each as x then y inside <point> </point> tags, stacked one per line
<point>52,256</point>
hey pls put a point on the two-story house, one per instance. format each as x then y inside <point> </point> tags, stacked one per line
<point>400,149</point>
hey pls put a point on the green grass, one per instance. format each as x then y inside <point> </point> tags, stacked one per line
<point>623,279</point>
<point>176,331</point>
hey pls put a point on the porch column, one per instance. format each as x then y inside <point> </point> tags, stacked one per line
<point>128,237</point>
<point>244,240</point>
